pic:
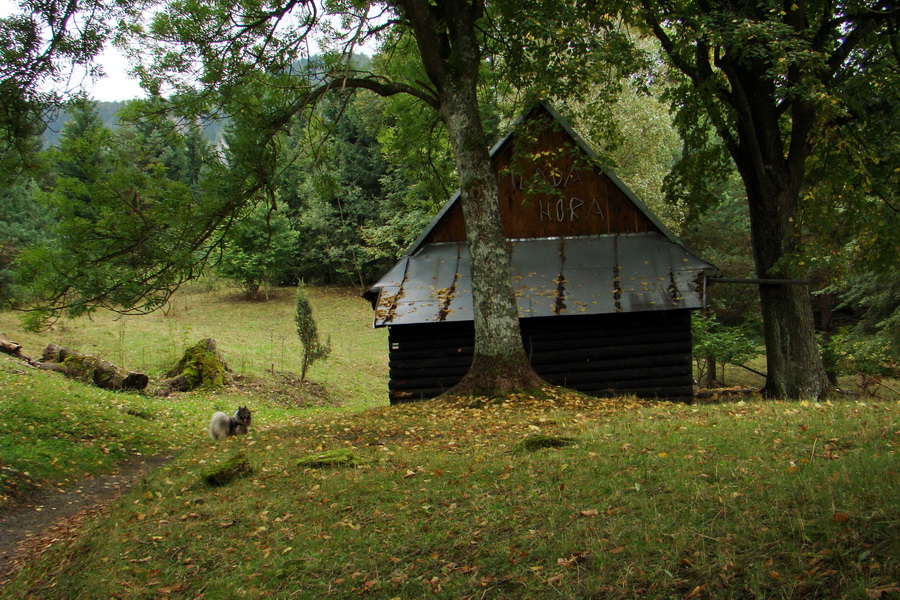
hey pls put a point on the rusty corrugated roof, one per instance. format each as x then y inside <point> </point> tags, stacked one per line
<point>551,276</point>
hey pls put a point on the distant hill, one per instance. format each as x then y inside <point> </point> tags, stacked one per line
<point>109,112</point>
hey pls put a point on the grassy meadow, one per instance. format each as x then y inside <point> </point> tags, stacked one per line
<point>748,499</point>
<point>255,338</point>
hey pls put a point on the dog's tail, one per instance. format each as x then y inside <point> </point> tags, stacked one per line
<point>218,426</point>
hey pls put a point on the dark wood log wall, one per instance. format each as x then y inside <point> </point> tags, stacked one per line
<point>646,354</point>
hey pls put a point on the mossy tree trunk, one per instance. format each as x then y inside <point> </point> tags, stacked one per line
<point>91,370</point>
<point>447,39</point>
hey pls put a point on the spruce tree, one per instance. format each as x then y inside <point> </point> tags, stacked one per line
<point>313,348</point>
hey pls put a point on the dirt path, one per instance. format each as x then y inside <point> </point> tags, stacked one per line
<point>28,529</point>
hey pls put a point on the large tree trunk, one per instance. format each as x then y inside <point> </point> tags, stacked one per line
<point>768,111</point>
<point>794,363</point>
<point>499,364</point>
<point>448,43</point>
<point>772,165</point>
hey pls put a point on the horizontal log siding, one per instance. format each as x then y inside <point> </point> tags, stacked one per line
<point>645,354</point>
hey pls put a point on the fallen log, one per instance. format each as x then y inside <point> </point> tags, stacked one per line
<point>720,393</point>
<point>14,349</point>
<point>90,369</point>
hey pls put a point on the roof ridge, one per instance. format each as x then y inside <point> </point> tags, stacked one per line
<point>582,145</point>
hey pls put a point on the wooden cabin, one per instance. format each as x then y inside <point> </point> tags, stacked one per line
<point>604,289</point>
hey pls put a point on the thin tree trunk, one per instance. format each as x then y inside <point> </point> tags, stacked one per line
<point>826,327</point>
<point>711,372</point>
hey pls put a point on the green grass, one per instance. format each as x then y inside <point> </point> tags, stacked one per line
<point>56,431</point>
<point>653,500</point>
<point>763,499</point>
<point>255,338</point>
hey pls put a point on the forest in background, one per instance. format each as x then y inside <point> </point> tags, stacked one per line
<point>309,183</point>
<point>357,190</point>
<point>359,182</point>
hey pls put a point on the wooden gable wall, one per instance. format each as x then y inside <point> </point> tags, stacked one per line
<point>548,187</point>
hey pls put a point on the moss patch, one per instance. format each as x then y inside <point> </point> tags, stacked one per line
<point>234,467</point>
<point>201,367</point>
<point>332,458</point>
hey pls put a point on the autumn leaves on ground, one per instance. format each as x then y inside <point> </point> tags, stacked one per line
<point>461,498</point>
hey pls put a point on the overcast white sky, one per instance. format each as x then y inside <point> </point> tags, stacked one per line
<point>116,85</point>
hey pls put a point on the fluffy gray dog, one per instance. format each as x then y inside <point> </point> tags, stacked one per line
<point>221,425</point>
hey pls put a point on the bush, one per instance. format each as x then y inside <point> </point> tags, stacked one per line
<point>871,356</point>
<point>714,342</point>
<point>258,250</point>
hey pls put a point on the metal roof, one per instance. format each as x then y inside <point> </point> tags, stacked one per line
<point>550,276</point>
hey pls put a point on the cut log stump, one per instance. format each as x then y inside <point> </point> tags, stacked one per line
<point>201,367</point>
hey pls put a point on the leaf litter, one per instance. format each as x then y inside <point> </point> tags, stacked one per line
<point>442,506</point>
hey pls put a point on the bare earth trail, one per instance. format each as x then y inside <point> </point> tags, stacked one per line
<point>29,528</point>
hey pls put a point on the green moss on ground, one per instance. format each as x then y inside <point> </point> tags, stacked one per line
<point>234,467</point>
<point>342,457</point>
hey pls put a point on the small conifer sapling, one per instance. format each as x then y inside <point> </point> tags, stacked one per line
<point>313,348</point>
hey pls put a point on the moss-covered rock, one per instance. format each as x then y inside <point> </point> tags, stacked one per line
<point>201,367</point>
<point>539,441</point>
<point>342,457</point>
<point>238,465</point>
